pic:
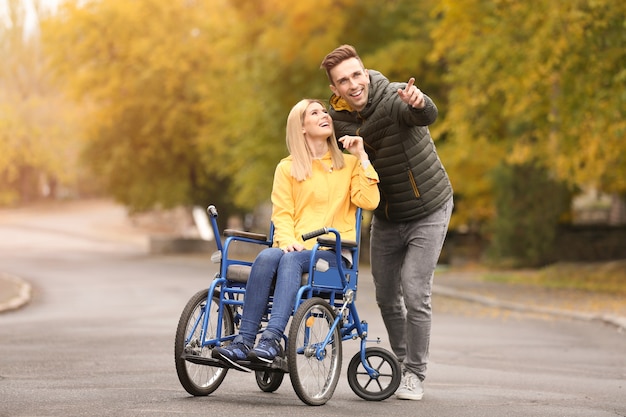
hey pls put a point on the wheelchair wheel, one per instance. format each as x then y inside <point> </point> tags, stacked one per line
<point>314,378</point>
<point>376,388</point>
<point>269,381</point>
<point>200,380</point>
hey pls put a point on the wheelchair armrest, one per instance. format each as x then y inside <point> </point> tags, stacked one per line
<point>325,241</point>
<point>249,235</point>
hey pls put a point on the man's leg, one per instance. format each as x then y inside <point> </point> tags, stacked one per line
<point>425,240</point>
<point>387,253</point>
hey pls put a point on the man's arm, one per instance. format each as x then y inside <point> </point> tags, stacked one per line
<point>416,108</point>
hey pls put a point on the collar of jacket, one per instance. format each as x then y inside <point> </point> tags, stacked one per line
<point>339,103</point>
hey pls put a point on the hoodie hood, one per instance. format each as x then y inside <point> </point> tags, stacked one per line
<point>339,103</point>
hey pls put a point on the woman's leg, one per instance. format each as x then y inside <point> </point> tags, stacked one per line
<point>257,292</point>
<point>288,282</point>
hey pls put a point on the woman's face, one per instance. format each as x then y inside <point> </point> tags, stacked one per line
<point>317,121</point>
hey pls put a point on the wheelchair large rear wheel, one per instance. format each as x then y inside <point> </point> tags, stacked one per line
<point>200,380</point>
<point>314,374</point>
<point>378,387</point>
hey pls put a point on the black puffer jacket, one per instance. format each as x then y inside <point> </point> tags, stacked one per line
<point>413,181</point>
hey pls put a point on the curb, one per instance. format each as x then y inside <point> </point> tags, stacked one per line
<point>23,293</point>
<point>616,321</point>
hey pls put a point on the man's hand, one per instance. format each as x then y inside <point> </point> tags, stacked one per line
<point>412,95</point>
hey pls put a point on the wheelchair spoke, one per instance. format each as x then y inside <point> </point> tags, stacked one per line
<point>313,367</point>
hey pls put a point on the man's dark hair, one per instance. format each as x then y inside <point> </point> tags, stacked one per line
<point>336,57</point>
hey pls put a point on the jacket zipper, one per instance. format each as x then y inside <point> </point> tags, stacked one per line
<point>416,191</point>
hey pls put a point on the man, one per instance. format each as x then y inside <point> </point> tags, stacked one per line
<point>410,223</point>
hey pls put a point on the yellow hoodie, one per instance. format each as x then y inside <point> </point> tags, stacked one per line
<point>328,199</point>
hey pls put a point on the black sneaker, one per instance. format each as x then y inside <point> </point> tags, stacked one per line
<point>236,351</point>
<point>266,351</point>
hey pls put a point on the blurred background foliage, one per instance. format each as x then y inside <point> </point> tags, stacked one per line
<point>167,103</point>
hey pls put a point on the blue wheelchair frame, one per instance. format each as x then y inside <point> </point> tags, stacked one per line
<point>334,287</point>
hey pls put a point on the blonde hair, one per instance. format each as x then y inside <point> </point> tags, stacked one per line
<point>302,165</point>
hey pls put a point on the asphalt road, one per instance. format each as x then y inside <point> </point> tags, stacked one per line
<point>97,339</point>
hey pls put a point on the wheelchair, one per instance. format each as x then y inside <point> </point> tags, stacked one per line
<point>324,315</point>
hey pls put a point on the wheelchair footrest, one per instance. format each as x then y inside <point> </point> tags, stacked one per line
<point>202,360</point>
<point>279,364</point>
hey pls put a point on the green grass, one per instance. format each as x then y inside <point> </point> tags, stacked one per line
<point>604,277</point>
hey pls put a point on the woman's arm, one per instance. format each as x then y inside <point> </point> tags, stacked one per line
<point>283,207</point>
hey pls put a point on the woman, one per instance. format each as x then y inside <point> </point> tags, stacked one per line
<point>315,186</point>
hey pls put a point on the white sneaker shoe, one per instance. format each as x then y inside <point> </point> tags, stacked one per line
<point>411,388</point>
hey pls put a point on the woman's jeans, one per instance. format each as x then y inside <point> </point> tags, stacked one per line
<point>288,269</point>
<point>403,260</point>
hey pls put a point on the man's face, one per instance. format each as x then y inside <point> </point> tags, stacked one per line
<point>351,82</point>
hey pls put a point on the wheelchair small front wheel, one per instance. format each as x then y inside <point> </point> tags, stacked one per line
<point>314,372</point>
<point>269,381</point>
<point>380,386</point>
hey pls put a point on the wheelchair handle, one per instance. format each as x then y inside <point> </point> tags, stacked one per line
<point>315,233</point>
<point>212,211</point>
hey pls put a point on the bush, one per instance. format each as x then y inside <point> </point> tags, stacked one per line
<point>528,207</point>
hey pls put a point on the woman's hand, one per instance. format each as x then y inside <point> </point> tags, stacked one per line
<point>354,145</point>
<point>294,247</point>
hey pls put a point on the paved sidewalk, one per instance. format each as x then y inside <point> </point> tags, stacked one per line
<point>459,284</point>
<point>467,286</point>
<point>565,303</point>
<point>14,292</point>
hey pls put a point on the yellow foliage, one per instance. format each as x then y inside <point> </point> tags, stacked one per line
<point>538,81</point>
<point>37,139</point>
<point>178,89</point>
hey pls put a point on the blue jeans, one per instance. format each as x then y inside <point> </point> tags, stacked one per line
<point>288,269</point>
<point>403,260</point>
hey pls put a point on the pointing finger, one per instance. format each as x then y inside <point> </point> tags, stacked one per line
<point>409,85</point>
<point>406,93</point>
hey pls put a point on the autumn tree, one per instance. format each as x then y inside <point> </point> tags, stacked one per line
<point>38,147</point>
<point>532,84</point>
<point>190,99</point>
<point>159,77</point>
<point>282,48</point>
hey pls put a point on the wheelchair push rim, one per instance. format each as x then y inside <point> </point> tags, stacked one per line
<point>314,368</point>
<point>199,379</point>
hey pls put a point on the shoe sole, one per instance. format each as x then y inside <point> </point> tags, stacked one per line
<point>253,357</point>
<point>232,363</point>
<point>414,397</point>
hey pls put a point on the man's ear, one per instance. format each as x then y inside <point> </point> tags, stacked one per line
<point>334,90</point>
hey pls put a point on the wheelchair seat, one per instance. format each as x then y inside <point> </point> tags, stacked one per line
<point>240,272</point>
